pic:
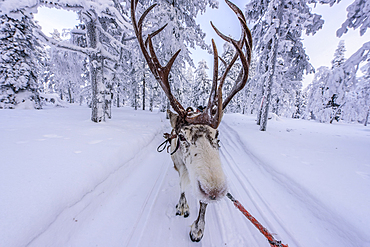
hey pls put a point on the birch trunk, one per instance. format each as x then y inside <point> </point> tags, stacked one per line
<point>96,74</point>
<point>269,82</point>
<point>271,71</point>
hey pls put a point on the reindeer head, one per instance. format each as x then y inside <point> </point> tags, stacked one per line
<point>197,133</point>
<point>198,150</point>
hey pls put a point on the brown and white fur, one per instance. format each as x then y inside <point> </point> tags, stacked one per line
<point>197,159</point>
<point>198,163</point>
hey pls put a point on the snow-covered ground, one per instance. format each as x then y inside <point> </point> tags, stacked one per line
<point>66,181</point>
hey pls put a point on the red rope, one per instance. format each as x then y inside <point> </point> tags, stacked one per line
<point>264,231</point>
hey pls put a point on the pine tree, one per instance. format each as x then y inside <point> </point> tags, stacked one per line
<point>318,96</point>
<point>18,62</point>
<point>202,85</point>
<point>339,59</point>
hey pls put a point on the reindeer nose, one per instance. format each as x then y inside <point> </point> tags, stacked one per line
<point>212,194</point>
<point>212,197</point>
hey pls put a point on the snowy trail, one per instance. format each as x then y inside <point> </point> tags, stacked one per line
<point>281,198</point>
<point>134,205</point>
<point>105,216</point>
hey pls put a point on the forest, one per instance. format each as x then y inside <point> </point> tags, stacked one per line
<point>101,66</point>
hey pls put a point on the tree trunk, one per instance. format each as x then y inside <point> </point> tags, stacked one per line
<point>151,102</point>
<point>271,71</point>
<point>96,73</point>
<point>259,113</point>
<point>367,117</point>
<point>269,82</point>
<point>144,91</point>
<point>70,95</point>
<point>336,112</point>
<point>97,85</point>
<point>136,96</point>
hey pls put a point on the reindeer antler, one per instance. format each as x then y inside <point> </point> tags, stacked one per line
<point>160,73</point>
<point>213,113</point>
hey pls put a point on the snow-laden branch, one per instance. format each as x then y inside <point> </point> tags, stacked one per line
<point>114,42</point>
<point>352,64</point>
<point>358,16</point>
<point>67,5</point>
<point>106,55</point>
<point>11,7</point>
<point>70,47</point>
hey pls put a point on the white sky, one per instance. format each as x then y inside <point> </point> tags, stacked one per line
<point>320,47</point>
<point>52,18</point>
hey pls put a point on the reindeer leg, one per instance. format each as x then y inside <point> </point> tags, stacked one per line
<point>182,208</point>
<point>197,228</point>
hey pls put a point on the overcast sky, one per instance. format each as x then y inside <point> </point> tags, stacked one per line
<point>320,47</point>
<point>51,18</point>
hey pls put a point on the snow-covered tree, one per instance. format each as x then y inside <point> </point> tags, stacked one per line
<point>235,104</point>
<point>252,90</point>
<point>96,16</point>
<point>187,87</point>
<point>339,59</point>
<point>341,93</point>
<point>357,96</point>
<point>182,32</point>
<point>358,16</point>
<point>300,104</point>
<point>345,88</point>
<point>202,85</point>
<point>318,97</point>
<point>19,60</point>
<point>282,61</point>
<point>68,69</point>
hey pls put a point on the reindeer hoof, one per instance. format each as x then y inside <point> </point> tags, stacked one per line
<point>196,236</point>
<point>182,209</point>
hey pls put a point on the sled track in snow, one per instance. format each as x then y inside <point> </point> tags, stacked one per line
<point>288,187</point>
<point>135,205</point>
<point>147,207</point>
<point>101,192</point>
<point>258,206</point>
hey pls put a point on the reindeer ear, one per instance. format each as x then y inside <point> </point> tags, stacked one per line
<point>173,118</point>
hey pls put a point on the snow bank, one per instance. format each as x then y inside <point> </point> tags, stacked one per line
<point>50,158</point>
<point>326,166</point>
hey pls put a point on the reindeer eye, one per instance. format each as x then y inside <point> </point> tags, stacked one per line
<point>182,137</point>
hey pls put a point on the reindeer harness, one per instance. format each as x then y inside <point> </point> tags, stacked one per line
<point>167,142</point>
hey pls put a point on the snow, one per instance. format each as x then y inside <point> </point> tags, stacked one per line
<point>67,181</point>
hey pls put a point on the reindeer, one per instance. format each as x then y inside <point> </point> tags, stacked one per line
<point>194,138</point>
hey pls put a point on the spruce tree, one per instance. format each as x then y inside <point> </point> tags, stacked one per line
<point>339,59</point>
<point>18,63</point>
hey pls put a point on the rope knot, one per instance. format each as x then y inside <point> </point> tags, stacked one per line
<point>167,142</point>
